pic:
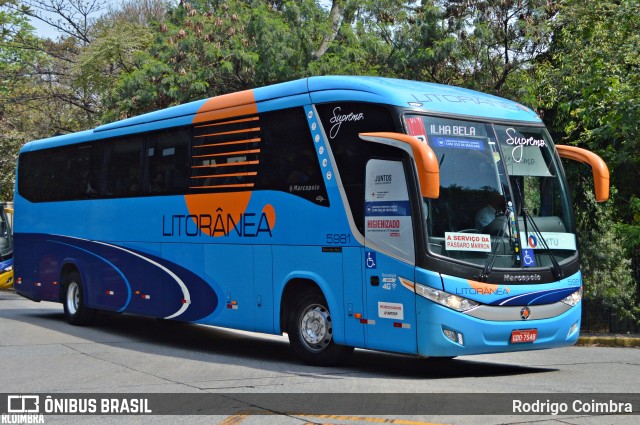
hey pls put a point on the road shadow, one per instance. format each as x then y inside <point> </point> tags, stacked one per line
<point>183,340</point>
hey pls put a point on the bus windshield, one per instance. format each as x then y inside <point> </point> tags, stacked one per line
<point>502,199</point>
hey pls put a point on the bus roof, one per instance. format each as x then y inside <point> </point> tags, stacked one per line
<point>427,97</point>
<point>420,96</point>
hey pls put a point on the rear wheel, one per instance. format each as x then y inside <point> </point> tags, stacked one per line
<point>73,300</point>
<point>311,332</point>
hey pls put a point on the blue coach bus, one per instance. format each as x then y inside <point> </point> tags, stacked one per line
<point>347,212</point>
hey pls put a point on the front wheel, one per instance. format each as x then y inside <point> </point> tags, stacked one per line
<point>311,332</point>
<point>73,300</point>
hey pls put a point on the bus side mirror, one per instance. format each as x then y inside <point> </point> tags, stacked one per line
<point>598,168</point>
<point>425,158</point>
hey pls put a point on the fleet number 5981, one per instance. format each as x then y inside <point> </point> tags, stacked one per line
<point>338,238</point>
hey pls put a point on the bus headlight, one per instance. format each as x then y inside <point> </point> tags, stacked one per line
<point>7,269</point>
<point>446,299</point>
<point>574,298</point>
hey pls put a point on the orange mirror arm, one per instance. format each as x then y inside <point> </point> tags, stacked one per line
<point>597,164</point>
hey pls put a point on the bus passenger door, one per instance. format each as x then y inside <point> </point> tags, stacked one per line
<point>389,258</point>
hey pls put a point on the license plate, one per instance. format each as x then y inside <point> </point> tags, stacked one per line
<point>527,335</point>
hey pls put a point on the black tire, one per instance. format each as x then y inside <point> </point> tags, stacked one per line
<point>73,301</point>
<point>311,333</point>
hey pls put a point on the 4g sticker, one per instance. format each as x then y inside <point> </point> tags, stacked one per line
<point>389,281</point>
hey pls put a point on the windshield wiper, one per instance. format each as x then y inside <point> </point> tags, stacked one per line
<point>555,268</point>
<point>488,267</point>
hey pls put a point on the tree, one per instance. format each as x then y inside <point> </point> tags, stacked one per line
<point>207,48</point>
<point>141,12</point>
<point>472,43</point>
<point>73,105</point>
<point>16,66</point>
<point>71,18</point>
<point>113,50</point>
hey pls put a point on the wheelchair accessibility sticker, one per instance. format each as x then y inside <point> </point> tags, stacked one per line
<point>370,260</point>
<point>528,259</point>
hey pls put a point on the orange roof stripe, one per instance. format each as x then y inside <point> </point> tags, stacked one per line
<point>227,106</point>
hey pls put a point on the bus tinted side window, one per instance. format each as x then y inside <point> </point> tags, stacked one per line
<point>123,167</point>
<point>31,176</point>
<point>288,161</point>
<point>58,174</point>
<point>109,168</point>
<point>167,168</point>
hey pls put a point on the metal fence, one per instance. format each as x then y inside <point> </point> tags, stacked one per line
<point>597,318</point>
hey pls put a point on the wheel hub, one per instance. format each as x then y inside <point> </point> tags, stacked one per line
<point>73,298</point>
<point>316,327</point>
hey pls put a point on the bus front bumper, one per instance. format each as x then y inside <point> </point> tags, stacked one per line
<point>439,326</point>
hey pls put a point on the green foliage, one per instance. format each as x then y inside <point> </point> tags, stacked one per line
<point>208,48</point>
<point>606,267</point>
<point>15,66</point>
<point>14,61</point>
<point>112,51</point>
<point>475,44</point>
<point>426,48</point>
<point>631,232</point>
<point>10,142</point>
<point>587,87</point>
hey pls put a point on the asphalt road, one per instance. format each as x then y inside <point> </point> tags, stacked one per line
<point>41,354</point>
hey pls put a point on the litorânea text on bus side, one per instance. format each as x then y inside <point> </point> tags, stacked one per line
<point>246,224</point>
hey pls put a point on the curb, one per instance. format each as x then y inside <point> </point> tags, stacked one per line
<point>609,340</point>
